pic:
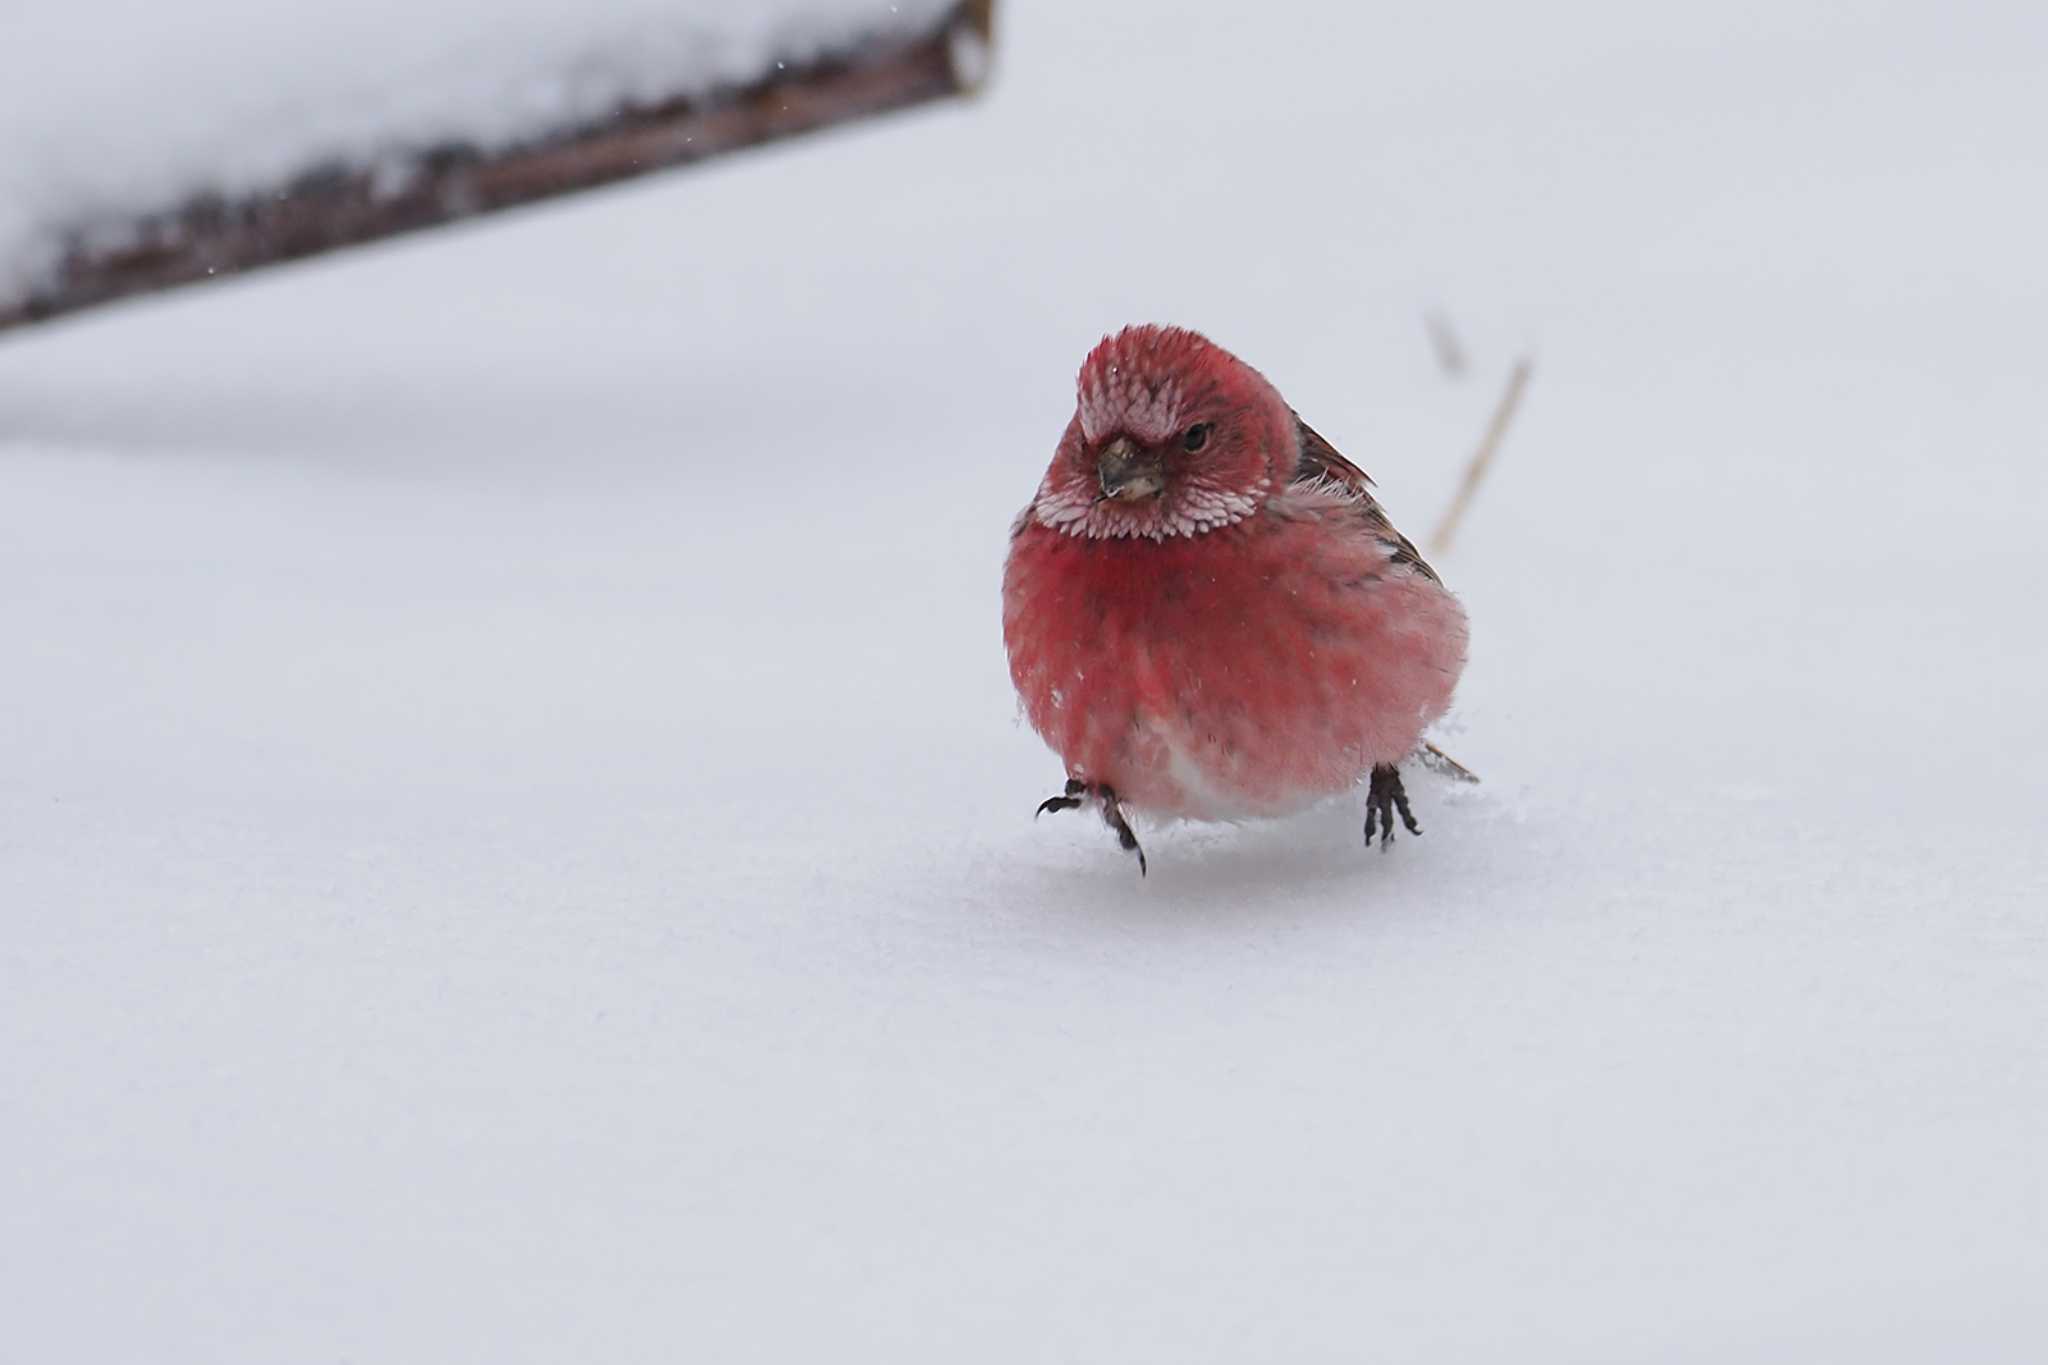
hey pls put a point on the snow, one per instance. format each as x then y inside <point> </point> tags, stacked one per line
<point>111,110</point>
<point>515,839</point>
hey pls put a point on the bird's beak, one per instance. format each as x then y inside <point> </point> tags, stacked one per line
<point>1127,473</point>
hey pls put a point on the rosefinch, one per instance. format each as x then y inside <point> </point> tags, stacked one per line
<point>1207,614</point>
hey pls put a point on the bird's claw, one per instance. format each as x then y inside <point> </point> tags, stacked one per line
<point>1382,799</point>
<point>1067,800</point>
<point>1079,793</point>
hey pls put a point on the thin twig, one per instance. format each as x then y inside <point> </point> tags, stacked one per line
<point>1475,471</point>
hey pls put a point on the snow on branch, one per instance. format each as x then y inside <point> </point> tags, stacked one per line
<point>111,221</point>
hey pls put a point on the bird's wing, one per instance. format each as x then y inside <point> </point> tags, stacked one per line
<point>1321,464</point>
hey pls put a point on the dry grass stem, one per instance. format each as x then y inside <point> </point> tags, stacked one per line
<point>1482,459</point>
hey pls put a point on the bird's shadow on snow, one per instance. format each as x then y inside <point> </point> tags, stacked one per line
<point>1313,864</point>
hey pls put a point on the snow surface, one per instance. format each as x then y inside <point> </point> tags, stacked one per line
<point>516,844</point>
<point>111,109</point>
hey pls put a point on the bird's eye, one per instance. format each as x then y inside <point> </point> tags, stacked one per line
<point>1197,436</point>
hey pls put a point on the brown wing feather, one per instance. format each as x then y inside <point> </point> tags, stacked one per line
<point>1320,463</point>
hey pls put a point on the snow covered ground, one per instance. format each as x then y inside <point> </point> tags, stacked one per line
<point>515,842</point>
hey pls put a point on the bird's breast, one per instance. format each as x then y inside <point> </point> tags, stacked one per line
<point>1247,671</point>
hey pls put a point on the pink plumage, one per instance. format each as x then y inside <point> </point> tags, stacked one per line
<point>1207,613</point>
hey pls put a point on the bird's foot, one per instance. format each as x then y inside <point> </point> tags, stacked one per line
<point>1079,793</point>
<point>1382,799</point>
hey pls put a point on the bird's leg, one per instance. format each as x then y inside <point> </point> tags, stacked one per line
<point>1382,799</point>
<point>1113,816</point>
<point>1079,793</point>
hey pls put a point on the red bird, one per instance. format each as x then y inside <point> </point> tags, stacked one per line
<point>1208,616</point>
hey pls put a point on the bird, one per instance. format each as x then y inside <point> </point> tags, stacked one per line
<point>1208,614</point>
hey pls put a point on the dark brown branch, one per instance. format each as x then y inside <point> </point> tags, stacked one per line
<point>339,206</point>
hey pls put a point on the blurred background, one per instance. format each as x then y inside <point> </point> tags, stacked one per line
<point>514,829</point>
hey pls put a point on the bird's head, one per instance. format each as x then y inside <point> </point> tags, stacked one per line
<point>1171,436</point>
